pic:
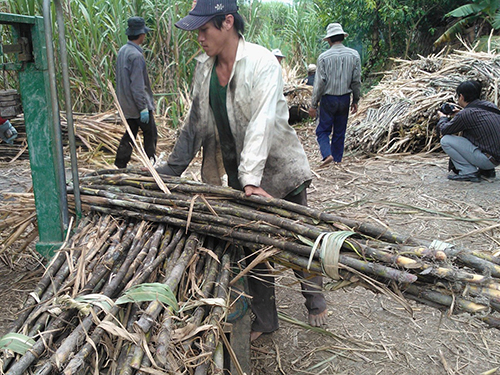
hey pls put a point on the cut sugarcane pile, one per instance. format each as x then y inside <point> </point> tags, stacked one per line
<point>78,311</point>
<point>138,234</point>
<point>256,222</point>
<point>399,114</point>
<point>97,138</point>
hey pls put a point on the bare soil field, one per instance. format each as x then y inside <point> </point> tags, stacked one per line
<point>366,333</point>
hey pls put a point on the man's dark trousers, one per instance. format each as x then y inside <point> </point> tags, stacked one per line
<point>261,288</point>
<point>333,115</point>
<point>150,134</point>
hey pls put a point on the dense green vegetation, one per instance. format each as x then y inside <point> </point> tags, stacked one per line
<point>379,29</point>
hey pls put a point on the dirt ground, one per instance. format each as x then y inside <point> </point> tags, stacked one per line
<point>366,333</point>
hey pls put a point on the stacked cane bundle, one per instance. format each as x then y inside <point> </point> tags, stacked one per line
<point>399,114</point>
<point>182,248</point>
<point>75,305</point>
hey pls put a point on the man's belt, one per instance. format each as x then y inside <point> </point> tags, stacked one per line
<point>492,159</point>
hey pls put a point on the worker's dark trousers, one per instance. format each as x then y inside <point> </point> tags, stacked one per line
<point>261,288</point>
<point>150,134</point>
<point>333,116</point>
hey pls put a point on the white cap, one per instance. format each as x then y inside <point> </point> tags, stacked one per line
<point>276,52</point>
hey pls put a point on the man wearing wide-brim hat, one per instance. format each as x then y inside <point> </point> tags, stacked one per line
<point>239,117</point>
<point>134,93</point>
<point>279,55</point>
<point>338,76</point>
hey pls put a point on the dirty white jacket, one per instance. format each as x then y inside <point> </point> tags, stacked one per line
<point>269,152</point>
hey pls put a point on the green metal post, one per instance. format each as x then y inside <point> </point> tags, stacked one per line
<point>44,139</point>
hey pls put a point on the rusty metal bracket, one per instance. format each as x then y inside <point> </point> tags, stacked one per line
<point>22,49</point>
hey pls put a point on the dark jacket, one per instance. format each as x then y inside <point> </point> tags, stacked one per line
<point>132,82</point>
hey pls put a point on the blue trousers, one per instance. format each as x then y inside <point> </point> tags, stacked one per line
<point>333,115</point>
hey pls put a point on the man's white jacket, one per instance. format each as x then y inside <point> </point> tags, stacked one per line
<point>269,152</point>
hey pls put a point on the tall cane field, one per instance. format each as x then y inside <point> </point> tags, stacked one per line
<point>95,30</point>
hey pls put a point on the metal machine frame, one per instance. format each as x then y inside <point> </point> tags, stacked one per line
<point>34,61</point>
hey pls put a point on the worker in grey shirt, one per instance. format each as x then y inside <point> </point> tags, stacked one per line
<point>134,93</point>
<point>338,74</point>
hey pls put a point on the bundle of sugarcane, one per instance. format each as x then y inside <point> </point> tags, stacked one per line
<point>125,296</point>
<point>399,114</point>
<point>307,238</point>
<point>17,223</point>
<point>99,136</point>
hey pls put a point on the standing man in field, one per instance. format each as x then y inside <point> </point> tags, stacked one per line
<point>134,93</point>
<point>338,75</point>
<point>239,117</point>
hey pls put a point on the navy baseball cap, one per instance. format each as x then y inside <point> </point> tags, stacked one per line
<point>203,11</point>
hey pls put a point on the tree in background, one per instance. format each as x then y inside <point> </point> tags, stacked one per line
<point>380,29</point>
<point>477,20</point>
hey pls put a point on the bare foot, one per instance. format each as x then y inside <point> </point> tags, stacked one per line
<point>319,319</point>
<point>327,161</point>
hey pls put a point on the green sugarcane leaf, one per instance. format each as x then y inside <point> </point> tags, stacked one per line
<point>305,240</point>
<point>100,300</point>
<point>17,343</point>
<point>148,292</point>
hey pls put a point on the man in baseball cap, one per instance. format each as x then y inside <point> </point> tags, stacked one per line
<point>239,116</point>
<point>203,11</point>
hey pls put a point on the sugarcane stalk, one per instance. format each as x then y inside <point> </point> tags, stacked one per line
<point>424,252</point>
<point>39,290</point>
<point>218,358</point>
<point>135,248</point>
<point>124,363</point>
<point>491,294</point>
<point>163,341</point>
<point>20,367</point>
<point>138,354</point>
<point>198,188</point>
<point>155,241</point>
<point>488,257</point>
<point>445,300</point>
<point>78,360</point>
<point>61,356</point>
<point>372,268</point>
<point>211,272</point>
<point>210,339</point>
<point>122,346</point>
<point>51,275</point>
<point>429,269</point>
<point>166,250</point>
<point>173,279</point>
<point>473,261</point>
